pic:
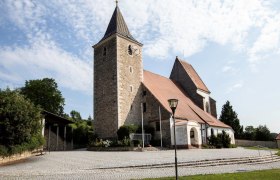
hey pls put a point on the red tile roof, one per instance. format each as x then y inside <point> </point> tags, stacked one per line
<point>278,137</point>
<point>163,89</point>
<point>194,76</point>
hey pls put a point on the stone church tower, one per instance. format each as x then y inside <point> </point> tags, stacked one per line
<point>118,73</point>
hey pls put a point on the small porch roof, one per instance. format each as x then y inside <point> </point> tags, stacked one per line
<point>52,118</point>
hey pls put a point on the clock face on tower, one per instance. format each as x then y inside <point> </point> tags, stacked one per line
<point>136,50</point>
<point>133,50</point>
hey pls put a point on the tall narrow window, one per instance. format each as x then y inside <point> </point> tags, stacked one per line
<point>104,51</point>
<point>130,69</point>
<point>131,88</point>
<point>144,93</point>
<point>129,50</point>
<point>144,107</point>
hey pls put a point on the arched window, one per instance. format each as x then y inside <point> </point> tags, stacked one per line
<point>129,50</point>
<point>192,133</point>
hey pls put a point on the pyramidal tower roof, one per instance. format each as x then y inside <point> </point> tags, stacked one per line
<point>117,25</point>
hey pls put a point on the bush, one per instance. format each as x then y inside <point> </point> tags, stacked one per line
<point>111,143</point>
<point>233,146</point>
<point>20,124</point>
<point>125,130</point>
<point>220,141</point>
<point>3,151</point>
<point>34,143</point>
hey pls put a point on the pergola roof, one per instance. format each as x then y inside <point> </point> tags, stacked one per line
<point>55,119</point>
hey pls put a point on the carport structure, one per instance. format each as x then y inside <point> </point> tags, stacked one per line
<point>57,132</point>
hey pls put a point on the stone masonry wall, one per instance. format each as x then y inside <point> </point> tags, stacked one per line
<point>213,107</point>
<point>129,75</point>
<point>269,144</point>
<point>105,89</point>
<point>179,75</point>
<point>151,116</point>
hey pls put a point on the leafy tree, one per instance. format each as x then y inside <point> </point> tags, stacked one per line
<point>82,130</point>
<point>263,133</point>
<point>229,117</point>
<point>75,116</point>
<point>250,133</point>
<point>20,122</point>
<point>44,92</point>
<point>90,118</point>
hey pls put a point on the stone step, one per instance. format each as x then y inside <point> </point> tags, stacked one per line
<point>209,162</point>
<point>205,163</point>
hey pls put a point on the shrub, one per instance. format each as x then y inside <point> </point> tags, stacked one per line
<point>219,141</point>
<point>125,130</point>
<point>35,142</point>
<point>3,151</point>
<point>233,146</point>
<point>20,123</point>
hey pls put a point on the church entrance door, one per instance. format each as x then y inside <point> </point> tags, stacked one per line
<point>194,137</point>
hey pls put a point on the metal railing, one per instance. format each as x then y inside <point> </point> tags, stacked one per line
<point>136,136</point>
<point>259,147</point>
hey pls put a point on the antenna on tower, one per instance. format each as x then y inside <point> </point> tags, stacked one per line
<point>117,2</point>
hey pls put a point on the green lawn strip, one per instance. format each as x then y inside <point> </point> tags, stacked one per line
<point>256,148</point>
<point>278,153</point>
<point>263,174</point>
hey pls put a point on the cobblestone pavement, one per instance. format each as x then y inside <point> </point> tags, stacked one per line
<point>87,164</point>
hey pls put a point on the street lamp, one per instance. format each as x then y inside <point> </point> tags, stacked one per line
<point>173,105</point>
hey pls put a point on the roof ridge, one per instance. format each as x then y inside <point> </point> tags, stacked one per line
<point>157,74</point>
<point>205,88</point>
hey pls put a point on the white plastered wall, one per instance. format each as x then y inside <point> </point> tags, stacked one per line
<point>218,130</point>
<point>183,132</point>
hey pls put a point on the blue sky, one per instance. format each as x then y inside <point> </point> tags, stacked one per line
<point>234,46</point>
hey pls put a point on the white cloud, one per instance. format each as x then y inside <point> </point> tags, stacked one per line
<point>186,26</point>
<point>26,14</point>
<point>227,69</point>
<point>165,27</point>
<point>268,43</point>
<point>235,87</point>
<point>44,59</point>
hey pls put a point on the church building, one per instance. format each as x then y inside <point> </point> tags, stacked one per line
<point>121,86</point>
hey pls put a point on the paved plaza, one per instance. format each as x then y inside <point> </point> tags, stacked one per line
<point>119,165</point>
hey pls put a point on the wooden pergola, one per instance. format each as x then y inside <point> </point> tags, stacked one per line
<point>55,129</point>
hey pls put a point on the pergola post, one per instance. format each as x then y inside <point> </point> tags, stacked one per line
<point>57,133</point>
<point>49,138</point>
<point>72,143</point>
<point>64,148</point>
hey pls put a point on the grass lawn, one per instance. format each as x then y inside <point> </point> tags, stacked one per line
<point>264,174</point>
<point>256,148</point>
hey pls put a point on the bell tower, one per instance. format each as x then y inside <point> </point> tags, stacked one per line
<point>118,73</point>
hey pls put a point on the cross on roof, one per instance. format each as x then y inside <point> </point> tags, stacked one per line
<point>117,2</point>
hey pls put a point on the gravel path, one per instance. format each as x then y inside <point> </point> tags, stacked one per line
<point>86,164</point>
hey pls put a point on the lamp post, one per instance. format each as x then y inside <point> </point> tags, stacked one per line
<point>173,105</point>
